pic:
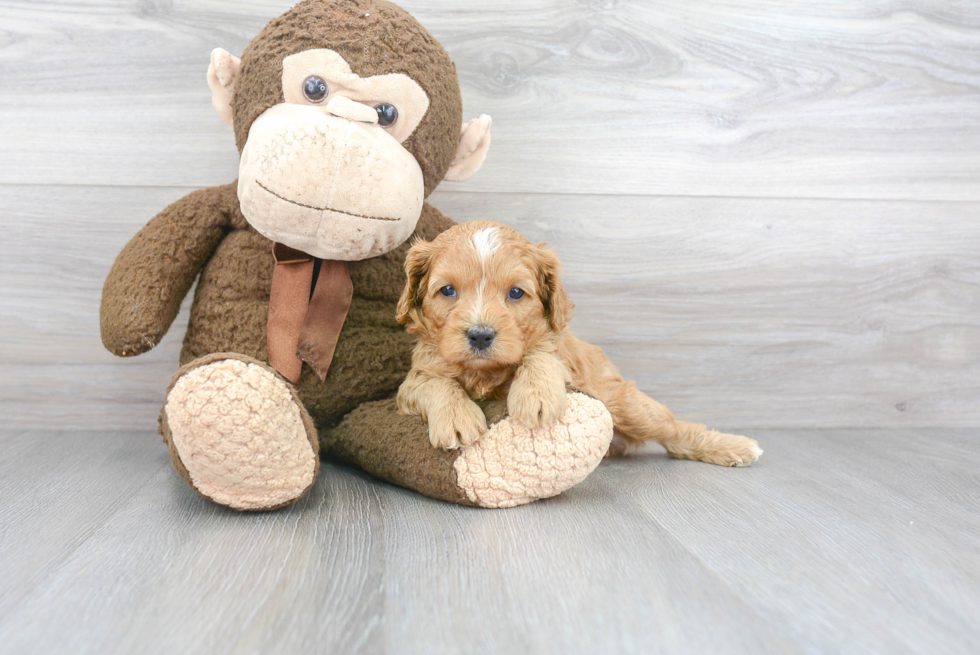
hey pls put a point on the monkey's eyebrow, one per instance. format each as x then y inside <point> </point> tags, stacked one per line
<point>324,209</point>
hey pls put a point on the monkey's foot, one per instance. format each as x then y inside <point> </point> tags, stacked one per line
<point>238,433</point>
<point>514,464</point>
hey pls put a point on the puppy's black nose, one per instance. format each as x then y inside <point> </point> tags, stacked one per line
<point>481,337</point>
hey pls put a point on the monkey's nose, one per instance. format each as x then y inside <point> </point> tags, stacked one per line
<point>353,111</point>
<point>481,337</point>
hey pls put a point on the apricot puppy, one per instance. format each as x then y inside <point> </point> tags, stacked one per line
<point>491,316</point>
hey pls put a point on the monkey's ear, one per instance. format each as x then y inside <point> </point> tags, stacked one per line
<point>474,142</point>
<point>222,75</point>
<point>416,268</point>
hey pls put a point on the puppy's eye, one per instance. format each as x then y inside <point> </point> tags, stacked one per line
<point>315,89</point>
<point>515,294</point>
<point>449,291</point>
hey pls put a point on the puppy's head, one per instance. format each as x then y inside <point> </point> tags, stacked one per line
<point>483,294</point>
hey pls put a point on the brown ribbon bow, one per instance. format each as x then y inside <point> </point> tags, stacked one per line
<point>307,309</point>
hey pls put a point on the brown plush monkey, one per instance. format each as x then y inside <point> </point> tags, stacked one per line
<point>347,114</point>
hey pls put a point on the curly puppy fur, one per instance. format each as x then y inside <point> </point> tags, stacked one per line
<point>491,315</point>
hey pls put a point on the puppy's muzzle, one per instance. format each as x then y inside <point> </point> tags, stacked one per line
<point>481,337</point>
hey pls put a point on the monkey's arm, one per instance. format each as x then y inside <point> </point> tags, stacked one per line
<point>152,274</point>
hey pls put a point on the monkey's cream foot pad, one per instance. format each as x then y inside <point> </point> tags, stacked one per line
<point>513,464</point>
<point>238,434</point>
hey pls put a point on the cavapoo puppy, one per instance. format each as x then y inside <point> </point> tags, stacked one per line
<point>491,316</point>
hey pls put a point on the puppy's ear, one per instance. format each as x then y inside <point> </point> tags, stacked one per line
<point>416,269</point>
<point>557,306</point>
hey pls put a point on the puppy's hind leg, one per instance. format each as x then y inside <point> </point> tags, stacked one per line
<point>638,418</point>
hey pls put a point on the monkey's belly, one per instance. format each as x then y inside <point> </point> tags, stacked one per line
<point>230,313</point>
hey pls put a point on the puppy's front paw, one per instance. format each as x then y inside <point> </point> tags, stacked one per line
<point>536,407</point>
<point>459,424</point>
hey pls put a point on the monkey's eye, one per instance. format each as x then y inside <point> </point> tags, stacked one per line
<point>315,89</point>
<point>449,291</point>
<point>516,294</point>
<point>387,114</point>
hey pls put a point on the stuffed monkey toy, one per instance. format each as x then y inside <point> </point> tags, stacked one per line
<point>347,114</point>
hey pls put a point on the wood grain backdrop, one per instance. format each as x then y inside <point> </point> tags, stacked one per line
<point>768,212</point>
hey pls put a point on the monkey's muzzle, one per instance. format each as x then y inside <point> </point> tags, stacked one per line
<point>328,186</point>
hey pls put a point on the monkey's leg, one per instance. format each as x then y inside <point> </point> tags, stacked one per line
<point>510,465</point>
<point>640,418</point>
<point>238,434</point>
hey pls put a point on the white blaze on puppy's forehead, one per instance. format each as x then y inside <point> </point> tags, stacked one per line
<point>485,242</point>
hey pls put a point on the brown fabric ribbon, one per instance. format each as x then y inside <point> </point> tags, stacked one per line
<point>305,327</point>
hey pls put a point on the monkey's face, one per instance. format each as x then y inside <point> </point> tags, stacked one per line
<point>325,171</point>
<point>347,114</point>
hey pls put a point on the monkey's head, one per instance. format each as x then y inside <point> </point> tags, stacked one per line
<point>347,114</point>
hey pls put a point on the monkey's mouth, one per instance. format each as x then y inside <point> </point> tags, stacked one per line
<point>323,209</point>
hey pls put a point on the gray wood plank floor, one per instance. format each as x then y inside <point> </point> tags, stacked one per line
<point>837,541</point>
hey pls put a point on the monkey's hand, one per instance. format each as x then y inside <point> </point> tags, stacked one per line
<point>152,274</point>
